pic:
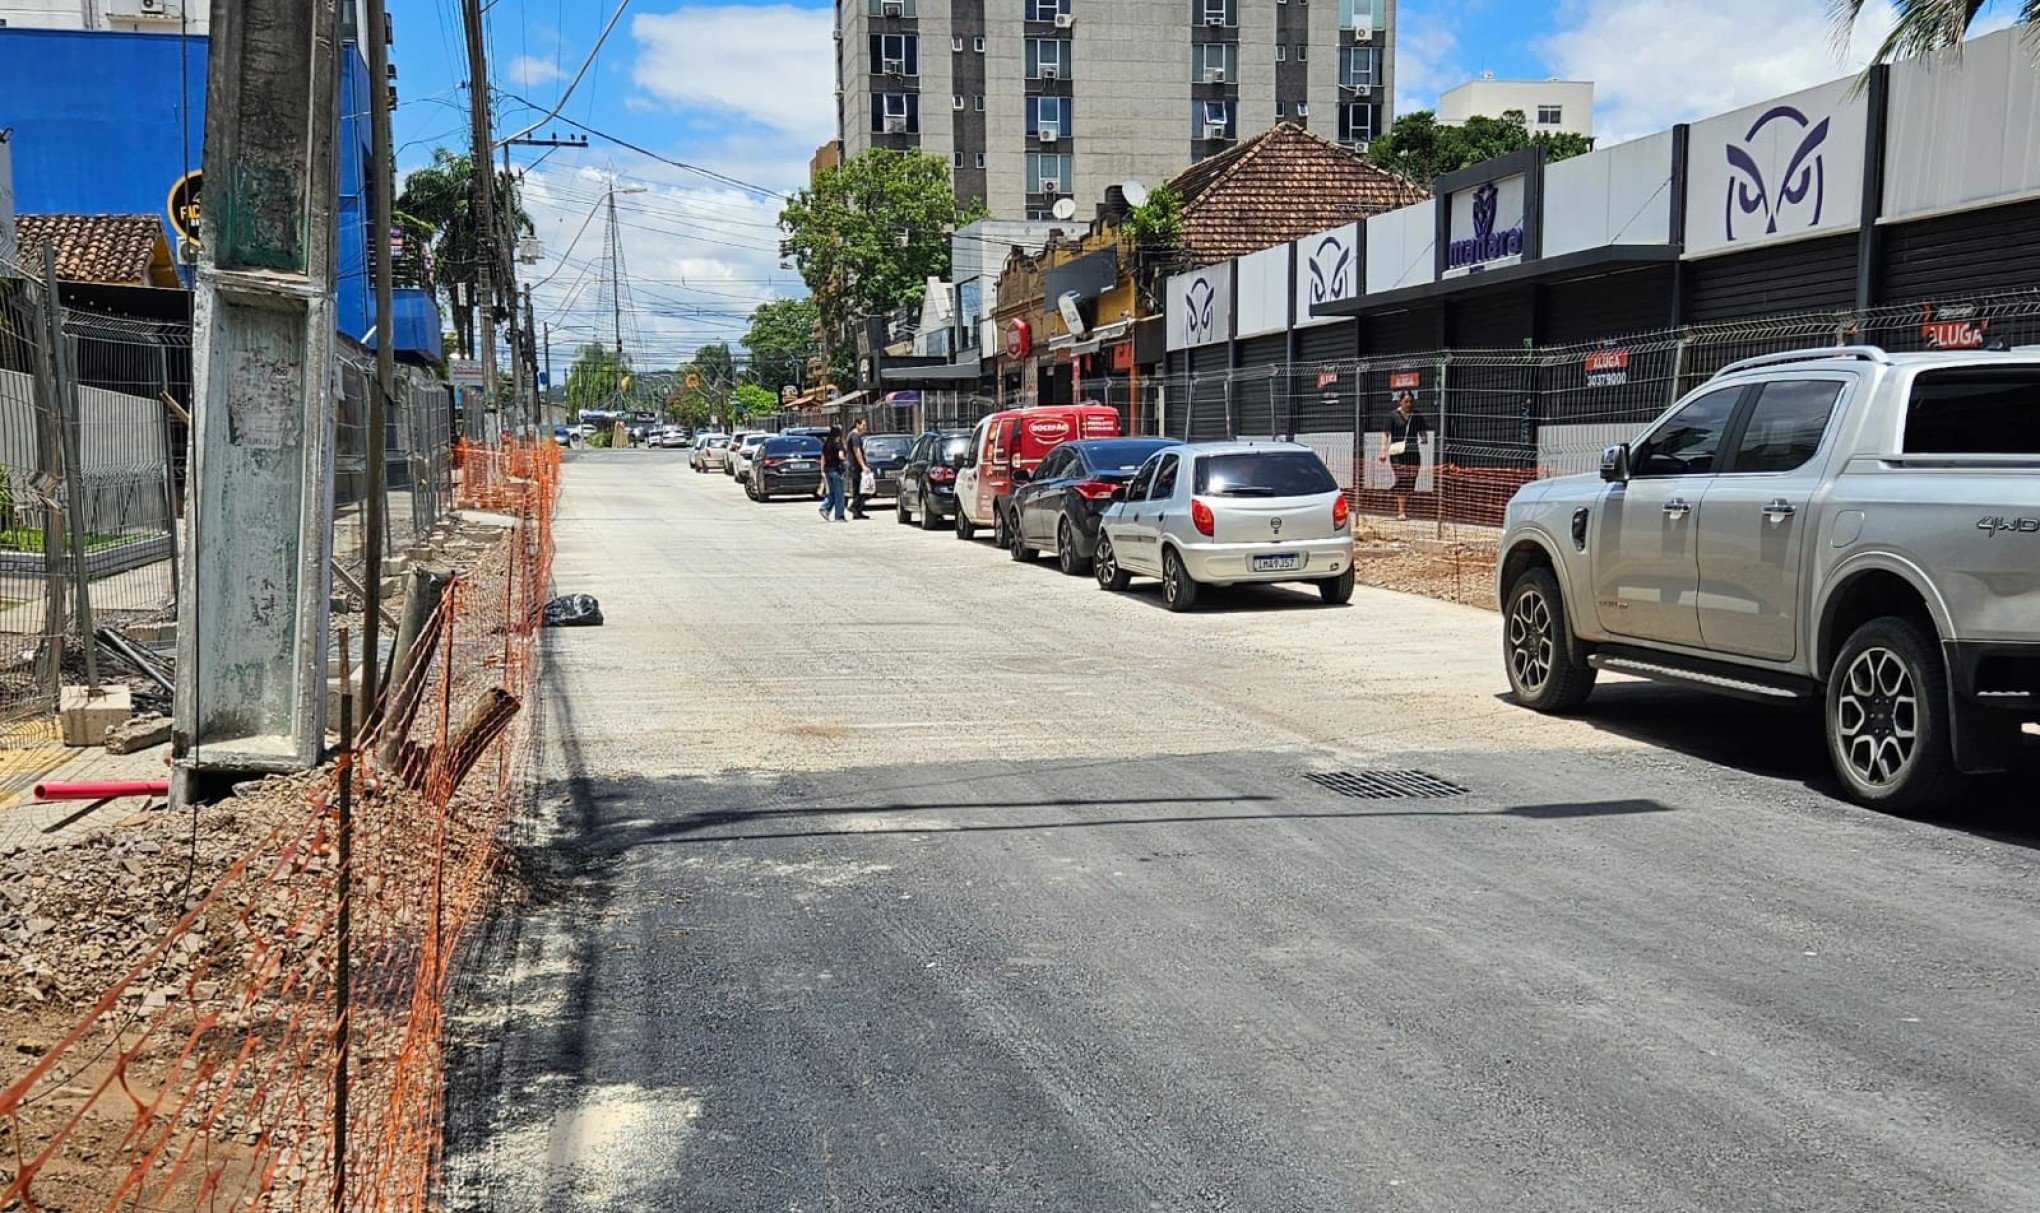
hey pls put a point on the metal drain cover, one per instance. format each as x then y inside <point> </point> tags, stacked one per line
<point>1386,785</point>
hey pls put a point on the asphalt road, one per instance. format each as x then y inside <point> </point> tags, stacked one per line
<point>876,872</point>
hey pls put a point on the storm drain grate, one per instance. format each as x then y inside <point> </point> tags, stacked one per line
<point>1386,785</point>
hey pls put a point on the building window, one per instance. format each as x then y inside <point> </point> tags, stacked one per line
<point>893,8</point>
<point>978,44</point>
<point>1302,52</point>
<point>896,113</point>
<point>1048,59</point>
<point>896,54</point>
<point>959,159</point>
<point>1281,109</point>
<point>980,103</point>
<point>1050,172</point>
<point>980,159</point>
<point>1281,52</point>
<point>956,101</point>
<point>1359,66</point>
<point>1550,115</point>
<point>1047,10</point>
<point>1361,15</point>
<point>1217,12</point>
<point>1356,122</point>
<point>1211,119</point>
<point>1048,115</point>
<point>1214,63</point>
<point>956,44</point>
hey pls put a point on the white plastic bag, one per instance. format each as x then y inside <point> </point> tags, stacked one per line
<point>868,485</point>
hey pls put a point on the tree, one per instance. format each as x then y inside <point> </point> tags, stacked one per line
<point>1924,26</point>
<point>753,400</point>
<point>1422,149</point>
<point>870,232</point>
<point>718,371</point>
<point>595,380</point>
<point>1158,222</point>
<point>440,198</point>
<point>781,340</point>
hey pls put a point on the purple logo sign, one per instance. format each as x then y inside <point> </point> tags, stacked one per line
<point>1805,175</point>
<point>1487,244</point>
<point>1197,301</point>
<point>1331,268</point>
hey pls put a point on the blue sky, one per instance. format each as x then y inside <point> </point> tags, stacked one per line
<point>744,90</point>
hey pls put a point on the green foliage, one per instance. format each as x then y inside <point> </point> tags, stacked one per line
<point>594,380</point>
<point>781,340</point>
<point>1925,26</point>
<point>753,400</point>
<point>1158,222</point>
<point>440,199</point>
<point>1422,149</point>
<point>870,233</point>
<point>716,368</point>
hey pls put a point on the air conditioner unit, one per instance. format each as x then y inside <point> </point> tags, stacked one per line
<point>1050,71</point>
<point>1361,145</point>
<point>152,8</point>
<point>1303,109</point>
<point>839,35</point>
<point>892,8</point>
<point>895,126</point>
<point>1048,134</point>
<point>1214,130</point>
<point>1215,75</point>
<point>894,67</point>
<point>1064,20</point>
<point>1219,22</point>
<point>1050,185</point>
<point>1363,33</point>
<point>1363,90</point>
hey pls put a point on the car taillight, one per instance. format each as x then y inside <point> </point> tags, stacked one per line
<point>941,475</point>
<point>1094,490</point>
<point>1200,517</point>
<point>773,461</point>
<point>1341,513</point>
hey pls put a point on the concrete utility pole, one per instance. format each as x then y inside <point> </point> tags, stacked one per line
<point>374,36</point>
<point>482,168</point>
<point>252,639</point>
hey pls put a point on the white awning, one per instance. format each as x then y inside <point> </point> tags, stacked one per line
<point>845,400</point>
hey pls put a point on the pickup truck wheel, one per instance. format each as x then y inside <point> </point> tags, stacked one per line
<point>1888,720</point>
<point>1179,589</point>
<point>1542,657</point>
<point>1105,567</point>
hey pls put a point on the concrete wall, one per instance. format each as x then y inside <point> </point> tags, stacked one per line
<point>1493,98</point>
<point>1257,67</point>
<point>1132,94</point>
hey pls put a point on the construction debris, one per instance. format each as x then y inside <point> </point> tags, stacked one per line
<point>138,734</point>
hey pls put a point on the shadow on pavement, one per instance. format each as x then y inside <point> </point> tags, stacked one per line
<point>1785,742</point>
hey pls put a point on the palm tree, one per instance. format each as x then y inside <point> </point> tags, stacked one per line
<point>1928,25</point>
<point>441,196</point>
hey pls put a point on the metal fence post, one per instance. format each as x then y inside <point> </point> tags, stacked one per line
<point>167,434</point>
<point>49,466</point>
<point>1444,428</point>
<point>73,474</point>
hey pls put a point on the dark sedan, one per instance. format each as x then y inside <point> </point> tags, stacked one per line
<point>887,455</point>
<point>927,484</point>
<point>1057,508</point>
<point>785,466</point>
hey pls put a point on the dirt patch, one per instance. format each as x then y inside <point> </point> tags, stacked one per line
<point>1455,572</point>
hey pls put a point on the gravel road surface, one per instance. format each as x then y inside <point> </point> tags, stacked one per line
<point>874,871</point>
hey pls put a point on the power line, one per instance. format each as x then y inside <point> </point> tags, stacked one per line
<point>711,174</point>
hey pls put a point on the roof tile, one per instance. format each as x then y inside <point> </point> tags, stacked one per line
<point>1281,185</point>
<point>115,249</point>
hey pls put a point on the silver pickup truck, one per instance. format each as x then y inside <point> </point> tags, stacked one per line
<point>1846,524</point>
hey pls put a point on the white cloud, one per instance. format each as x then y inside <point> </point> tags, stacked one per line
<point>529,70</point>
<point>770,64</point>
<point>1426,61</point>
<point>1652,67</point>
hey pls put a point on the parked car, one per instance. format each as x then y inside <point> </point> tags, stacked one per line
<point>927,481</point>
<point>783,466</point>
<point>1841,525</point>
<point>711,452</point>
<point>1056,508</point>
<point>742,447</point>
<point>1227,513</point>
<point>806,431</point>
<point>671,438</point>
<point>887,454</point>
<point>563,435</point>
<point>1020,438</point>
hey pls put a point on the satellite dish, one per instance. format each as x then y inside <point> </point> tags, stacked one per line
<point>1136,193</point>
<point>1064,208</point>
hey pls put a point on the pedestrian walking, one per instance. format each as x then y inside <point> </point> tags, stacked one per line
<point>832,475</point>
<point>861,480</point>
<point>1406,430</point>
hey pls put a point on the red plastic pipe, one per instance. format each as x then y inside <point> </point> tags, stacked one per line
<point>110,790</point>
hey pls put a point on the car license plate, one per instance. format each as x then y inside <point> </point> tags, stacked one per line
<point>1277,564</point>
<point>801,465</point>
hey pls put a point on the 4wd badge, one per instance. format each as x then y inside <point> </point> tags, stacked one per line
<point>2001,525</point>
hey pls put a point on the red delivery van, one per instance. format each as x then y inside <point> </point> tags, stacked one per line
<point>1018,438</point>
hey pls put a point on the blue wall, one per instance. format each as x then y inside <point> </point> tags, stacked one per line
<point>99,128</point>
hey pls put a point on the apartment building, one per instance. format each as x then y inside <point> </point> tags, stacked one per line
<point>137,16</point>
<point>1547,106</point>
<point>1034,101</point>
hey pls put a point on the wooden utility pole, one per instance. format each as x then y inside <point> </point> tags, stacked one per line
<point>482,169</point>
<point>375,40</point>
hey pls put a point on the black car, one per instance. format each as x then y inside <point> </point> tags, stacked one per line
<point>1057,507</point>
<point>785,465</point>
<point>927,484</point>
<point>887,455</point>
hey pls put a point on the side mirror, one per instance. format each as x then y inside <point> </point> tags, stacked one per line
<point>1615,464</point>
<point>1022,475</point>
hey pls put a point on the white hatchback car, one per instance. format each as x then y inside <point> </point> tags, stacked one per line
<point>742,448</point>
<point>1229,513</point>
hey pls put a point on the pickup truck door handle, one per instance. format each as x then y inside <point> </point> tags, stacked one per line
<point>1780,510</point>
<point>1677,507</point>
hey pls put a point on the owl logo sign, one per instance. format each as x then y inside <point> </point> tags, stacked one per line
<point>1795,197</point>
<point>1331,270</point>
<point>1197,307</point>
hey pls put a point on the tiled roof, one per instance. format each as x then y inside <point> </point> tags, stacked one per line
<point>1282,184</point>
<point>116,249</point>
